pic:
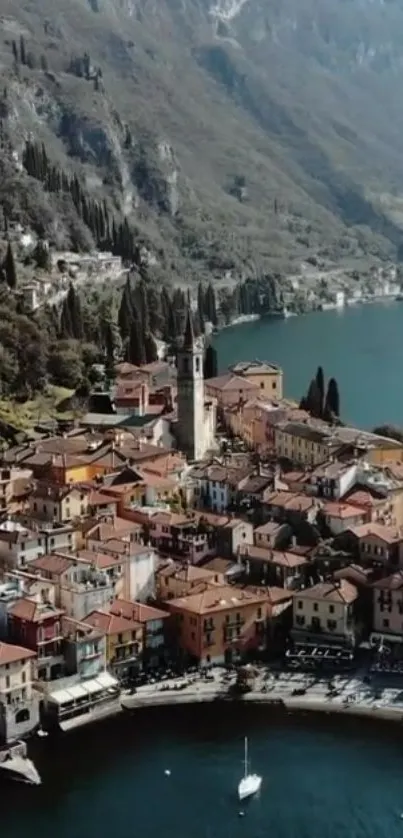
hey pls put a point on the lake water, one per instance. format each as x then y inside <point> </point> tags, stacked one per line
<point>321,779</point>
<point>361,346</point>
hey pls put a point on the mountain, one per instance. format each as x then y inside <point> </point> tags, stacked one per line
<point>236,136</point>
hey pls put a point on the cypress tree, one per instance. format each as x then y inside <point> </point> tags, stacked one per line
<point>142,299</point>
<point>320,383</point>
<point>150,348</point>
<point>125,315</point>
<point>200,306</point>
<point>76,317</point>
<point>15,51</point>
<point>210,362</point>
<point>332,404</point>
<point>136,352</point>
<point>9,267</point>
<point>23,56</point>
<point>313,399</point>
<point>210,305</point>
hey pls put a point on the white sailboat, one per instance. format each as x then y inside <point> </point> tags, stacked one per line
<point>250,783</point>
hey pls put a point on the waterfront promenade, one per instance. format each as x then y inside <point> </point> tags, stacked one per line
<point>380,699</point>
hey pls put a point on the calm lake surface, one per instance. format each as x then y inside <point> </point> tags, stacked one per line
<point>361,346</point>
<point>322,778</point>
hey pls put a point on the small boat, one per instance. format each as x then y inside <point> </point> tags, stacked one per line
<point>250,783</point>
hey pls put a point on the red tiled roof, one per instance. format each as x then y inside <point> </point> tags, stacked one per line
<point>110,623</point>
<point>52,564</point>
<point>136,611</point>
<point>11,654</point>
<point>33,612</point>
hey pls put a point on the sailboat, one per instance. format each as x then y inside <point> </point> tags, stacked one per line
<point>250,783</point>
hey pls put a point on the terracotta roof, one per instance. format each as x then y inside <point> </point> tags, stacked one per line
<point>276,557</point>
<point>211,600</point>
<point>363,498</point>
<point>102,561</point>
<point>137,611</point>
<point>340,592</point>
<point>229,381</point>
<point>255,368</point>
<point>111,623</point>
<point>11,654</point>
<point>53,564</point>
<point>390,583</point>
<point>387,534</point>
<point>343,510</point>
<point>34,612</point>
<point>97,498</point>
<point>268,529</point>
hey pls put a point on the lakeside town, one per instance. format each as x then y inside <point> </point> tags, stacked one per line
<point>189,539</point>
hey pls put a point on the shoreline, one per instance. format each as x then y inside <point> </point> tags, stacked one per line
<point>288,704</point>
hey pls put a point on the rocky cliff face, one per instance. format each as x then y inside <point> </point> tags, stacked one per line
<point>236,136</point>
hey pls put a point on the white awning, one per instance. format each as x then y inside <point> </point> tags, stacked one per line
<point>77,691</point>
<point>92,686</point>
<point>60,697</point>
<point>106,680</point>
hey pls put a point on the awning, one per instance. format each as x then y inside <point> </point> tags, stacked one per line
<point>92,686</point>
<point>106,680</point>
<point>61,697</point>
<point>78,691</point>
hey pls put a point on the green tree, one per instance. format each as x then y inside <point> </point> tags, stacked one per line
<point>332,403</point>
<point>136,353</point>
<point>41,256</point>
<point>210,362</point>
<point>9,267</point>
<point>320,383</point>
<point>125,315</point>
<point>150,348</point>
<point>210,305</point>
<point>65,366</point>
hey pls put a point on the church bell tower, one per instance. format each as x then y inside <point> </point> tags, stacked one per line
<point>191,394</point>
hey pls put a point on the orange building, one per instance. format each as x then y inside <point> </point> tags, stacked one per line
<point>220,624</point>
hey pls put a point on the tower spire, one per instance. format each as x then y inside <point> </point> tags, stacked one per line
<point>188,340</point>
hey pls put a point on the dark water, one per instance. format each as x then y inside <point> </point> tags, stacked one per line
<point>323,778</point>
<point>362,347</point>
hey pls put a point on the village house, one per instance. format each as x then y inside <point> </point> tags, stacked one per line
<point>375,544</point>
<point>273,567</point>
<point>20,713</point>
<point>174,580</point>
<point>304,443</point>
<point>230,389</point>
<point>20,545</point>
<point>84,648</point>
<point>388,610</point>
<point>37,626</point>
<point>339,516</point>
<point>272,535</point>
<point>153,621</point>
<point>324,614</point>
<point>15,485</point>
<point>267,377</point>
<point>290,507</point>
<point>124,643</point>
<point>121,540</point>
<point>333,479</point>
<point>217,486</point>
<point>57,504</point>
<point>220,624</point>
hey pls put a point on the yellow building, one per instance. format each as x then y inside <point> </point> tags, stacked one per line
<point>267,378</point>
<point>304,444</point>
<point>124,642</point>
<point>52,502</point>
<point>325,609</point>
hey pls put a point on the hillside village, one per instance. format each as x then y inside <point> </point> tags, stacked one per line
<point>188,523</point>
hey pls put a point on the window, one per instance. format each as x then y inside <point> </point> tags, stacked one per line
<point>315,606</point>
<point>197,364</point>
<point>259,612</point>
<point>385,623</point>
<point>331,609</point>
<point>300,604</point>
<point>120,638</point>
<point>35,507</point>
<point>7,682</point>
<point>300,620</point>
<point>193,636</point>
<point>262,385</point>
<point>331,624</point>
<point>186,365</point>
<point>24,677</point>
<point>274,385</point>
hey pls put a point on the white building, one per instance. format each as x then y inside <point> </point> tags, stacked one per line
<point>196,425</point>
